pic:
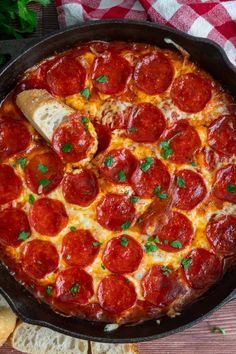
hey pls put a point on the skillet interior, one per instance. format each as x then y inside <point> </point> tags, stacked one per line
<point>211,58</point>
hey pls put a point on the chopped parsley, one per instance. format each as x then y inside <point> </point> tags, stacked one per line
<point>23,235</point>
<point>124,241</point>
<point>231,188</point>
<point>146,164</point>
<point>166,271</point>
<point>85,122</point>
<point>150,247</point>
<point>216,329</point>
<point>85,92</point>
<point>126,225</point>
<point>67,147</point>
<point>176,244</point>
<point>103,267</point>
<point>165,242</point>
<point>193,163</point>
<point>186,262</point>
<point>74,288</point>
<point>42,168</point>
<point>154,239</point>
<point>96,244</point>
<point>121,177</point>
<point>31,199</point>
<point>180,182</point>
<point>22,162</point>
<point>132,129</point>
<point>102,79</point>
<point>133,199</point>
<point>157,191</point>
<point>166,149</point>
<point>73,229</point>
<point>108,162</point>
<point>44,182</point>
<point>49,290</point>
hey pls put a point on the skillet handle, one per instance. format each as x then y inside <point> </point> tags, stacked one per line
<point>232,296</point>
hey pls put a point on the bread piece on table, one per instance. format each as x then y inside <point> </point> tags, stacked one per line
<point>7,323</point>
<point>104,348</point>
<point>40,340</point>
<point>43,110</point>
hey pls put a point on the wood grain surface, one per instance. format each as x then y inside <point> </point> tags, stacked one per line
<point>196,340</point>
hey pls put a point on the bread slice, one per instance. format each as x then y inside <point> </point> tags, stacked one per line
<point>43,111</point>
<point>104,348</point>
<point>40,340</point>
<point>7,323</point>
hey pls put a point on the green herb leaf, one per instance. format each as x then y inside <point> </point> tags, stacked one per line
<point>108,162</point>
<point>132,129</point>
<point>23,235</point>
<point>96,244</point>
<point>22,162</point>
<point>124,241</point>
<point>126,225</point>
<point>180,182</point>
<point>176,244</point>
<point>67,147</point>
<point>73,229</point>
<point>103,267</point>
<point>165,242</point>
<point>150,247</point>
<point>193,163</point>
<point>150,238</point>
<point>85,92</point>
<point>157,191</point>
<point>167,151</point>
<point>102,79</point>
<point>42,168</point>
<point>166,271</point>
<point>157,240</point>
<point>146,164</point>
<point>186,262</point>
<point>216,329</point>
<point>231,188</point>
<point>133,199</point>
<point>49,290</point>
<point>31,199</point>
<point>44,182</point>
<point>121,177</point>
<point>74,288</point>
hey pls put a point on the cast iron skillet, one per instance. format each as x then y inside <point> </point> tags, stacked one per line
<point>210,57</point>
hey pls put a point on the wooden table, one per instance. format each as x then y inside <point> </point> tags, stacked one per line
<point>196,340</point>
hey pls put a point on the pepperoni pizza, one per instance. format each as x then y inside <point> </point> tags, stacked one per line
<point>147,224</point>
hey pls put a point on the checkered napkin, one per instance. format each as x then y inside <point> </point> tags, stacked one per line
<point>212,19</point>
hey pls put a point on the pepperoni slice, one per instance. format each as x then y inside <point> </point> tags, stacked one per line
<point>204,269</point>
<point>48,216</point>
<point>72,139</point>
<point>110,73</point>
<point>39,258</point>
<point>151,173</point>
<point>183,141</point>
<point>122,254</point>
<point>103,135</point>
<point>175,233</point>
<point>191,92</point>
<point>13,222</point>
<point>222,135</point>
<point>44,180</point>
<point>14,137</point>
<point>190,189</point>
<point>80,188</point>
<point>116,294</point>
<point>224,186</point>
<point>79,248</point>
<point>66,77</point>
<point>161,285</point>
<point>221,233</point>
<point>153,73</point>
<point>118,166</point>
<point>115,212</point>
<point>10,184</point>
<point>146,123</point>
<point>74,286</point>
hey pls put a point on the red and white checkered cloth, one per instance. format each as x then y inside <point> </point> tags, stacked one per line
<point>212,19</point>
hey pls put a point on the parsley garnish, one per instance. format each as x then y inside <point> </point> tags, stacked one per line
<point>44,182</point>
<point>165,242</point>
<point>186,262</point>
<point>133,199</point>
<point>85,92</point>
<point>176,244</point>
<point>216,329</point>
<point>102,79</point>
<point>42,168</point>
<point>193,163</point>
<point>180,182</point>
<point>132,129</point>
<point>146,164</point>
<point>157,191</point>
<point>67,147</point>
<point>23,235</point>
<point>126,225</point>
<point>121,177</point>
<point>85,122</point>
<point>96,244</point>
<point>74,288</point>
<point>73,229</point>
<point>150,247</point>
<point>165,145</point>
<point>108,162</point>
<point>49,290</point>
<point>22,162</point>
<point>124,241</point>
<point>103,267</point>
<point>31,199</point>
<point>166,271</point>
<point>154,239</point>
<point>231,188</point>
